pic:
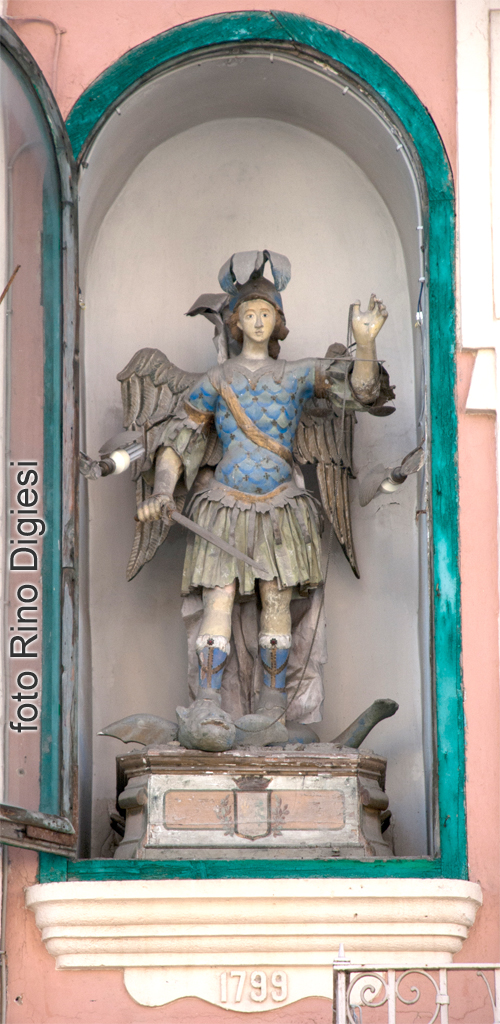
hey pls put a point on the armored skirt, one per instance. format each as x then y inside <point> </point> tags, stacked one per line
<point>279,530</point>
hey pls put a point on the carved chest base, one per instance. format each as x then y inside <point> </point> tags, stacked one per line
<point>319,801</point>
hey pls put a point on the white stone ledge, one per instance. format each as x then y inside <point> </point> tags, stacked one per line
<point>169,935</point>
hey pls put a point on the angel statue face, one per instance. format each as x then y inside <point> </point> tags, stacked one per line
<point>257,319</point>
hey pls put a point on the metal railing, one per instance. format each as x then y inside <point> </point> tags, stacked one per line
<point>387,994</point>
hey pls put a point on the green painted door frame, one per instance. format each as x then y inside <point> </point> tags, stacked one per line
<point>308,40</point>
<point>59,277</point>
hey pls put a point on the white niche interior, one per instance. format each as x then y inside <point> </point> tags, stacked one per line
<point>170,191</point>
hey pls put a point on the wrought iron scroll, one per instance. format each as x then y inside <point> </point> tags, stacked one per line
<point>360,988</point>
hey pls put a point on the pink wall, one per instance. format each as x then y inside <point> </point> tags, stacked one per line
<point>479,568</point>
<point>418,39</point>
<point>48,996</point>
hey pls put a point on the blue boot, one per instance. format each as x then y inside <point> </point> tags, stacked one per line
<point>204,725</point>
<point>266,726</point>
<point>213,652</point>
<point>274,657</point>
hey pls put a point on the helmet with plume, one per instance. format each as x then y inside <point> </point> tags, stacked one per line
<point>242,278</point>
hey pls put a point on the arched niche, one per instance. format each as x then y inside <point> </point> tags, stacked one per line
<point>259,144</point>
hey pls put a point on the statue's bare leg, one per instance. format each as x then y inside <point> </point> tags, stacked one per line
<point>275,617</point>
<point>204,725</point>
<point>266,724</point>
<point>275,640</point>
<point>217,610</point>
<point>276,625</point>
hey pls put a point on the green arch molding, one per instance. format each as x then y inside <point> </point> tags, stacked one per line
<point>404,106</point>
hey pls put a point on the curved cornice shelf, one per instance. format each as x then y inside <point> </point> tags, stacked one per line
<point>175,938</point>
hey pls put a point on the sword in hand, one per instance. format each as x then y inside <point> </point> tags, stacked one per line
<point>165,508</point>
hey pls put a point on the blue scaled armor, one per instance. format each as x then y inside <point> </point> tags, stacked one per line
<point>273,399</point>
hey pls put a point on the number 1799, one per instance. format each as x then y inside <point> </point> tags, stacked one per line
<point>234,986</point>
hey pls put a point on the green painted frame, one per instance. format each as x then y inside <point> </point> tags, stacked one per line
<point>308,39</point>
<point>58,759</point>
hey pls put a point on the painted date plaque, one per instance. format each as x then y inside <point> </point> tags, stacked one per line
<point>245,988</point>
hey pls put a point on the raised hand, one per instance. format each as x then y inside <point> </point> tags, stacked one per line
<point>366,324</point>
<point>365,327</point>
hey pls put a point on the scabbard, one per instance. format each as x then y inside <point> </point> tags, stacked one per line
<point>212,539</point>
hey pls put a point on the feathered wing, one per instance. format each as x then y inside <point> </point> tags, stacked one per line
<point>153,392</point>
<point>324,438</point>
<point>152,388</point>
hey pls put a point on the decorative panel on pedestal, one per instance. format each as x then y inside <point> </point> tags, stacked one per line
<point>319,801</point>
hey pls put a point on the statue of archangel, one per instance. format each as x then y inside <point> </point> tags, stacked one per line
<point>226,447</point>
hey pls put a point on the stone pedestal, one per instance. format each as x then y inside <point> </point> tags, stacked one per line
<point>314,802</point>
